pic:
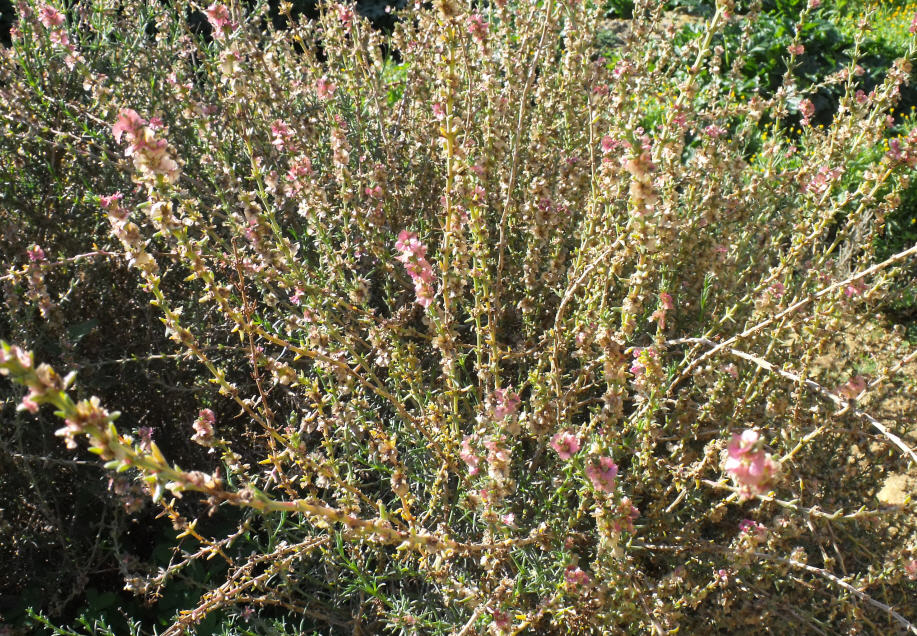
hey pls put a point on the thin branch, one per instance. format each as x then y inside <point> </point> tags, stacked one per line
<point>844,405</point>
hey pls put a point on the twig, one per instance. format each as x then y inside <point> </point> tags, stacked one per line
<point>845,405</point>
<point>900,256</point>
<point>811,512</point>
<point>796,564</point>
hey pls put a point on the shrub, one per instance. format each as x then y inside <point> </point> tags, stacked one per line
<point>501,335</point>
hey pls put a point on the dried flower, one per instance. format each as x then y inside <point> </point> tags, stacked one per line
<point>203,427</point>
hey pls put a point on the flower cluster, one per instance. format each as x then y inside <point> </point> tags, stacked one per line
<point>203,428</point>
<point>55,22</point>
<point>504,403</point>
<point>412,254</point>
<point>220,20</point>
<point>151,155</point>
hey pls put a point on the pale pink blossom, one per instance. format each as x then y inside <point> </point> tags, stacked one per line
<point>203,427</point>
<point>576,578</point>
<point>796,49</point>
<point>627,513</point>
<point>910,568</point>
<point>128,122</point>
<point>146,437</point>
<point>60,38</point>
<point>50,17</point>
<point>29,403</point>
<point>324,88</point>
<point>477,27</point>
<point>505,403</point>
<point>281,132</point>
<point>752,529</point>
<point>36,254</point>
<point>855,288</point>
<point>107,201</point>
<point>751,467</point>
<point>602,472</point>
<point>219,18</point>
<point>714,131</point>
<point>854,387</point>
<point>412,254</point>
<point>566,444</point>
<point>469,456</point>
<point>806,109</point>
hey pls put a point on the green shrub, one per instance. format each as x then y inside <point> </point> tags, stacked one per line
<point>502,335</point>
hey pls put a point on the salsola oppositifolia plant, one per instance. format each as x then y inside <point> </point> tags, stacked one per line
<point>525,335</point>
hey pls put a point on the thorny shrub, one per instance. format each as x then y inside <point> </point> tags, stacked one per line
<point>523,339</point>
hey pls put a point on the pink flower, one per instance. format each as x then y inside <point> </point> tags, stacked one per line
<point>324,88</point>
<point>502,620</point>
<point>203,428</point>
<point>505,403</point>
<point>714,131</point>
<point>796,49</point>
<point>814,4</point>
<point>627,514</point>
<point>806,109</point>
<point>219,18</point>
<point>50,17</point>
<point>281,132</point>
<point>345,15</point>
<point>128,122</point>
<point>566,444</point>
<point>855,288</point>
<point>602,472</point>
<point>111,200</point>
<point>853,388</point>
<point>413,256</point>
<point>469,456</point>
<point>477,27</point>
<point>752,528</point>
<point>666,304</point>
<point>576,578</point>
<point>146,437</point>
<point>910,568</point>
<point>438,111</point>
<point>36,254</point>
<point>60,38</point>
<point>29,404</point>
<point>750,466</point>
